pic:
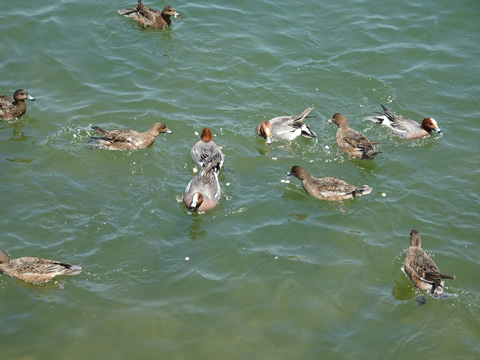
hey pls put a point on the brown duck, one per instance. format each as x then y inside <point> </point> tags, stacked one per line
<point>351,141</point>
<point>125,139</point>
<point>13,108</point>
<point>423,272</point>
<point>329,188</point>
<point>35,270</point>
<point>150,17</point>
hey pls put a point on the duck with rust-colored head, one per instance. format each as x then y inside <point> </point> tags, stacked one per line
<point>126,139</point>
<point>205,149</point>
<point>35,270</point>
<point>328,188</point>
<point>286,127</point>
<point>148,17</point>
<point>404,127</point>
<point>13,108</point>
<point>351,141</point>
<point>203,191</point>
<point>422,270</point>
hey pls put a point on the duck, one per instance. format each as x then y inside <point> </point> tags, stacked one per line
<point>404,127</point>
<point>286,127</point>
<point>34,269</point>
<point>150,17</point>
<point>203,191</point>
<point>351,141</point>
<point>205,149</point>
<point>421,269</point>
<point>328,188</point>
<point>125,139</point>
<point>13,108</point>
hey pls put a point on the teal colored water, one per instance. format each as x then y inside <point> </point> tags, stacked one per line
<point>270,273</point>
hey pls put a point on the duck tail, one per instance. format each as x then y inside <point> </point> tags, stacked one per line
<point>99,129</point>
<point>214,163</point>
<point>362,190</point>
<point>443,276</point>
<point>129,12</point>
<point>304,114</point>
<point>308,133</point>
<point>71,269</point>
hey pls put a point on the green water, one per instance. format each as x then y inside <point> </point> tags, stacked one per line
<point>270,273</point>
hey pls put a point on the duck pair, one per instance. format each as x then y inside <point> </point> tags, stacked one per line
<point>203,191</point>
<point>420,268</point>
<point>358,146</point>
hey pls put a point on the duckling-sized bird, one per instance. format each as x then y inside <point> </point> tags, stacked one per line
<point>13,108</point>
<point>205,149</point>
<point>203,191</point>
<point>35,270</point>
<point>126,139</point>
<point>286,127</point>
<point>150,17</point>
<point>422,270</point>
<point>404,127</point>
<point>329,188</point>
<point>351,141</point>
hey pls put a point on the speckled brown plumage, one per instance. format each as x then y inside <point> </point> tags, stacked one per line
<point>125,139</point>
<point>148,17</point>
<point>35,270</point>
<point>328,188</point>
<point>13,108</point>
<point>351,141</point>
<point>422,270</point>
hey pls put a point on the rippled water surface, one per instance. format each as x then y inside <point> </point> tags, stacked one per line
<point>270,273</point>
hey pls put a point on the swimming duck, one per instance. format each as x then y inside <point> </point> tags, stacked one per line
<point>404,127</point>
<point>125,139</point>
<point>150,17</point>
<point>423,272</point>
<point>329,188</point>
<point>203,191</point>
<point>13,108</point>
<point>286,127</point>
<point>351,141</point>
<point>35,270</point>
<point>205,149</point>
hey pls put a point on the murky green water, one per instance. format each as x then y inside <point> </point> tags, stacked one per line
<point>271,272</point>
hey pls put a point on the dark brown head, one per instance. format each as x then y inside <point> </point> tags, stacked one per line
<point>206,135</point>
<point>299,172</point>
<point>429,124</point>
<point>159,128</point>
<point>21,95</point>
<point>170,11</point>
<point>415,239</point>
<point>339,119</point>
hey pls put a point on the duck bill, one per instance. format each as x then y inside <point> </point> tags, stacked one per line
<point>31,98</point>
<point>176,15</point>
<point>330,121</point>
<point>438,130</point>
<point>169,131</point>
<point>289,173</point>
<point>268,140</point>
